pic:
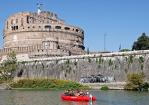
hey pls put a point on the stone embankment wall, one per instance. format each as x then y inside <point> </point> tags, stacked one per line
<point>111,85</point>
<point>115,66</point>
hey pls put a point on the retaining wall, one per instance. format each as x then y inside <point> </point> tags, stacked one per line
<point>115,66</point>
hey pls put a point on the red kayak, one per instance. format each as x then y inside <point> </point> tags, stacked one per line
<point>78,98</point>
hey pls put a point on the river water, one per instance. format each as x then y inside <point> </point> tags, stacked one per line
<point>48,97</point>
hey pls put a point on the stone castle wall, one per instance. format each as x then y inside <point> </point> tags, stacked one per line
<point>27,29</point>
<point>30,52</point>
<point>114,66</point>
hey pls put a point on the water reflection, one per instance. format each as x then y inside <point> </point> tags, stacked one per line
<point>77,103</point>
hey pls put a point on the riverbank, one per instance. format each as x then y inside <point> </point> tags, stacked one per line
<point>111,85</point>
<point>58,84</point>
<point>42,84</point>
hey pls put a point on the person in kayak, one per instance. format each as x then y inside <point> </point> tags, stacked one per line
<point>76,93</point>
<point>69,93</point>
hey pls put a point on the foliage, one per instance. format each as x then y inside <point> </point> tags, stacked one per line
<point>142,43</point>
<point>47,84</point>
<point>89,60</point>
<point>141,59</point>
<point>8,67</point>
<point>97,60</point>
<point>100,60</point>
<point>130,59</point>
<point>145,86</point>
<point>135,82</point>
<point>110,62</point>
<point>104,87</point>
<point>115,67</point>
<point>56,61</point>
<point>1,81</point>
<point>124,50</point>
<point>142,66</point>
<point>67,62</point>
<point>75,63</point>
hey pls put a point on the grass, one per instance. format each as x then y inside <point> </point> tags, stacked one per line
<point>46,84</point>
<point>104,87</point>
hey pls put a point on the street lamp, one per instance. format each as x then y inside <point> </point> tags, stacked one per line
<point>105,42</point>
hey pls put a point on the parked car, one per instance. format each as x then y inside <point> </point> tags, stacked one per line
<point>84,80</point>
<point>101,78</point>
<point>88,79</point>
<point>93,79</point>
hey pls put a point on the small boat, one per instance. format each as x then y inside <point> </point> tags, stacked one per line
<point>78,98</point>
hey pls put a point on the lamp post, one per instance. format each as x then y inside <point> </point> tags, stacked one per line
<point>105,42</point>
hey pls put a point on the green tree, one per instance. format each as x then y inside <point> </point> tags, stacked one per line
<point>135,81</point>
<point>8,66</point>
<point>124,50</point>
<point>142,43</point>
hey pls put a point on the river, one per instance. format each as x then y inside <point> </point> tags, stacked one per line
<point>48,97</point>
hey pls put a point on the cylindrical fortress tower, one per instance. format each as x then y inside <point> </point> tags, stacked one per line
<point>43,29</point>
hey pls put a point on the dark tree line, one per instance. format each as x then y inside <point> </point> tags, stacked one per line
<point>142,43</point>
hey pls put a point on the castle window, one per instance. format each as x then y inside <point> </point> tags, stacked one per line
<point>82,47</point>
<point>67,28</point>
<point>16,27</point>
<point>46,44</point>
<point>58,27</point>
<point>58,47</point>
<point>12,27</point>
<point>27,19</point>
<point>77,30</point>
<point>47,26</point>
<point>82,32</point>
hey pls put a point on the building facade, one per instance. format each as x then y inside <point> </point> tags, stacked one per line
<point>40,34</point>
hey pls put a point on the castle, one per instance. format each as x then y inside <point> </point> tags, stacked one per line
<point>41,34</point>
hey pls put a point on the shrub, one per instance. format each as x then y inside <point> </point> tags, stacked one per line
<point>8,67</point>
<point>1,81</point>
<point>135,81</point>
<point>46,84</point>
<point>145,86</point>
<point>104,87</point>
<point>110,62</point>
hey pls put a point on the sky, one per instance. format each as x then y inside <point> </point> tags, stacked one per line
<point>108,24</point>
